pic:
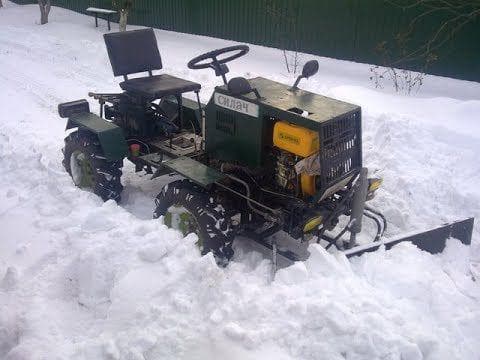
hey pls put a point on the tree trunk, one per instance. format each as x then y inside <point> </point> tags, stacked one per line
<point>1,5</point>
<point>122,23</point>
<point>44,10</point>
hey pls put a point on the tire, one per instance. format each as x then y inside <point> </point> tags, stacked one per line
<point>214,229</point>
<point>91,170</point>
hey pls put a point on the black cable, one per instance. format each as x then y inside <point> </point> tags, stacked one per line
<point>336,238</point>
<point>379,214</point>
<point>379,226</point>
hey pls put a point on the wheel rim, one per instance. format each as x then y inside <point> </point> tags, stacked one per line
<point>81,170</point>
<point>179,218</point>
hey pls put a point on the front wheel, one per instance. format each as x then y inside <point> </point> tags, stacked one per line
<point>187,208</point>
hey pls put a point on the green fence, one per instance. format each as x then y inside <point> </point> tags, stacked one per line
<point>343,29</point>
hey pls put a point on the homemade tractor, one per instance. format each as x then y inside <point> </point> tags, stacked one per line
<point>259,158</point>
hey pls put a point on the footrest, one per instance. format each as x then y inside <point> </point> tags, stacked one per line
<point>195,171</point>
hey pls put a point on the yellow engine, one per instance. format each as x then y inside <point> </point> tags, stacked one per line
<point>295,139</point>
<point>298,141</point>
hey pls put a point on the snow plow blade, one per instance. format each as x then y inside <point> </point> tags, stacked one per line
<point>433,240</point>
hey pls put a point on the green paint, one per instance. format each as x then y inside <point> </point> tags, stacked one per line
<point>111,137</point>
<point>342,29</point>
<point>234,136</point>
<point>194,170</point>
<point>84,166</point>
<point>186,223</point>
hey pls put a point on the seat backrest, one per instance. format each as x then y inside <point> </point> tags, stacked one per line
<point>133,51</point>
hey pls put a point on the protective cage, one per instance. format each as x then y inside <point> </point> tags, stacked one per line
<point>340,149</point>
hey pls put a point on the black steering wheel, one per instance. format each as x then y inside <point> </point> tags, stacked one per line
<point>199,61</point>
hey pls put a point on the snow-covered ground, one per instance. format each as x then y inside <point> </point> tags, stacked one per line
<point>83,279</point>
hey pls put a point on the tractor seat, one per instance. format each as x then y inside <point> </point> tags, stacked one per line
<point>136,51</point>
<point>158,86</point>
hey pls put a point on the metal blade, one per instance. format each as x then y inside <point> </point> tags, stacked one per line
<point>433,240</point>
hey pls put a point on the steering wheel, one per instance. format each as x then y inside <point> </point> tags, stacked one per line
<point>199,61</point>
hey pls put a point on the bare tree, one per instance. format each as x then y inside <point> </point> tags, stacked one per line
<point>286,24</point>
<point>123,7</point>
<point>403,80</point>
<point>398,54</point>
<point>44,10</point>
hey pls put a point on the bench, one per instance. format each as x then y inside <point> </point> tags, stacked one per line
<point>97,11</point>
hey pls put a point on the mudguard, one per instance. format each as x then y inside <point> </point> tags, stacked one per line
<point>111,137</point>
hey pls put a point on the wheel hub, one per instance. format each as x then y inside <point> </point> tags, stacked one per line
<point>179,218</point>
<point>81,169</point>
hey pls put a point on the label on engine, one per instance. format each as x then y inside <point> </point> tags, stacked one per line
<point>241,106</point>
<point>289,138</point>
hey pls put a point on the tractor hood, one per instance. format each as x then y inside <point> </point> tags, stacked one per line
<point>297,106</point>
<point>240,123</point>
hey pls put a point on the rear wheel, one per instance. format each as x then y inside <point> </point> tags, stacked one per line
<point>85,162</point>
<point>187,208</point>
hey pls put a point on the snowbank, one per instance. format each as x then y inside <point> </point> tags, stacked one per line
<point>82,279</point>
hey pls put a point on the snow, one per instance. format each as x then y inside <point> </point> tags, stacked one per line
<point>83,279</point>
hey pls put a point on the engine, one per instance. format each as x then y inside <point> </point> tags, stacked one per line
<point>285,176</point>
<point>295,143</point>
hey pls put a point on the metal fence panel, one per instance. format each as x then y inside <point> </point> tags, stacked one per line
<point>343,29</point>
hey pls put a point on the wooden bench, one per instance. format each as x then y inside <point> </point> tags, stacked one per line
<point>97,11</point>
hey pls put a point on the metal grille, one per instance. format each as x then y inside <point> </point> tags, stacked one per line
<point>225,122</point>
<point>340,148</point>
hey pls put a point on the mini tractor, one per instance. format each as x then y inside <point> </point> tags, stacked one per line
<point>260,157</point>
